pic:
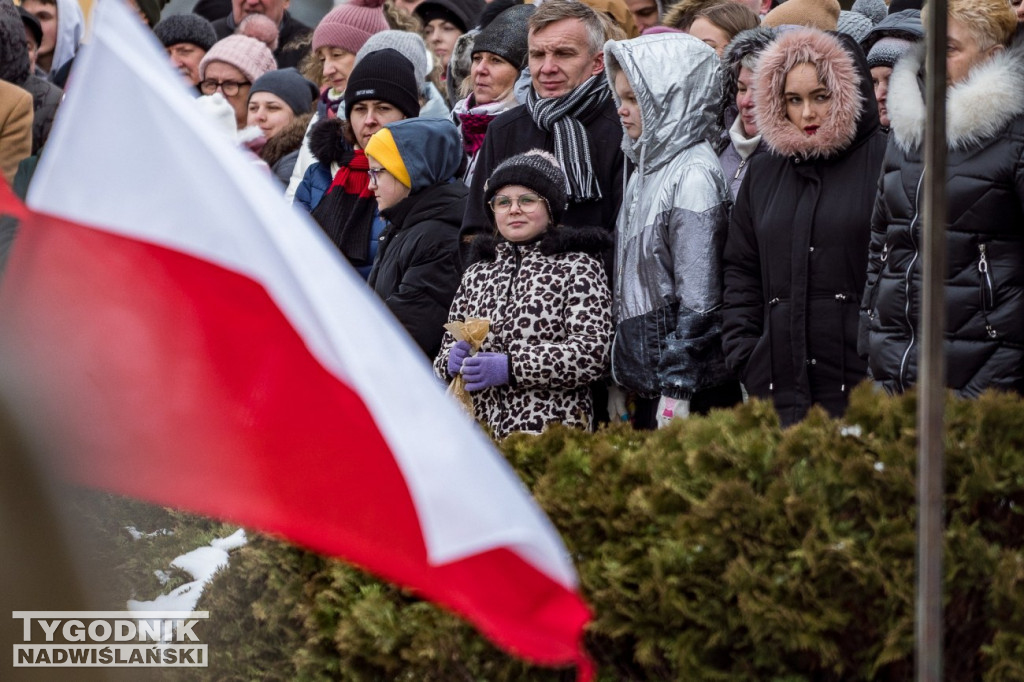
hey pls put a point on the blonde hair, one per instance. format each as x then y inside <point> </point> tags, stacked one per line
<point>991,22</point>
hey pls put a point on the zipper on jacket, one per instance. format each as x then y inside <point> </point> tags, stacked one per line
<point>907,281</point>
<point>739,169</point>
<point>771,354</point>
<point>841,299</point>
<point>987,291</point>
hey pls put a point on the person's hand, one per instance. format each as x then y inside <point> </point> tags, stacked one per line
<point>617,410</point>
<point>672,408</point>
<point>484,370</point>
<point>456,356</point>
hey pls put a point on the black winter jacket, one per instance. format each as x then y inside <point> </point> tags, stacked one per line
<point>416,271</point>
<point>795,262</point>
<point>515,132</point>
<point>984,290</point>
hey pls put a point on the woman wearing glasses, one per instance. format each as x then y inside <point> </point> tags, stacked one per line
<point>231,67</point>
<point>544,290</point>
<point>412,166</point>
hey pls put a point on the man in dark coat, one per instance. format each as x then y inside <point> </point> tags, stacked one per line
<point>569,101</point>
<point>984,279</point>
<point>289,28</point>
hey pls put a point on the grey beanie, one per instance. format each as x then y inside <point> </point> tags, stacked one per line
<point>875,10</point>
<point>887,51</point>
<point>506,36</point>
<point>536,170</point>
<point>408,44</point>
<point>288,84</point>
<point>186,28</point>
<point>854,24</point>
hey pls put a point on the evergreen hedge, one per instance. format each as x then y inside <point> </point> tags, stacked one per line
<point>721,548</point>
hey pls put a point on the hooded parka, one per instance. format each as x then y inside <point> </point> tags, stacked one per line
<point>672,225</point>
<point>550,311</point>
<point>795,258</point>
<point>984,286</point>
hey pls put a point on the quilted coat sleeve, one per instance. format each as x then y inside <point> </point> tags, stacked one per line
<point>743,312</point>
<point>585,353</point>
<point>421,301</point>
<point>879,226</point>
<point>692,356</point>
<point>304,193</point>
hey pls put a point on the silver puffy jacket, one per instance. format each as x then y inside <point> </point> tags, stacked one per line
<point>673,221</point>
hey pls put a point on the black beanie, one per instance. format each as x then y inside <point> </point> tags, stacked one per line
<point>386,75</point>
<point>461,13</point>
<point>186,28</point>
<point>288,84</point>
<point>536,170</point>
<point>506,35</point>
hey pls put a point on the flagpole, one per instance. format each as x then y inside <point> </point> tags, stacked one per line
<point>931,374</point>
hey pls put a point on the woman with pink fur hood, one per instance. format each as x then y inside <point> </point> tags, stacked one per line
<point>796,253</point>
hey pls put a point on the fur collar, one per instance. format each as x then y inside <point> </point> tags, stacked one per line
<point>837,70</point>
<point>286,141</point>
<point>977,108</point>
<point>328,144</point>
<point>562,239</point>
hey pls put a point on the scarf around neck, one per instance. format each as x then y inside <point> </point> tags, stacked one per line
<point>474,119</point>
<point>563,115</point>
<point>347,209</point>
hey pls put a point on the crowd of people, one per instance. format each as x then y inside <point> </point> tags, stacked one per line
<point>658,209</point>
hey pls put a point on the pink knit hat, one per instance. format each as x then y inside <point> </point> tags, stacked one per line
<point>348,26</point>
<point>246,54</point>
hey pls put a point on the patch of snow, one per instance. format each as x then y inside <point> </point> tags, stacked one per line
<point>854,431</point>
<point>879,466</point>
<point>233,541</point>
<point>162,576</point>
<point>139,535</point>
<point>201,563</point>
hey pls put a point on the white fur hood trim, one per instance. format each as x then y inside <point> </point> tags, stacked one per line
<point>976,108</point>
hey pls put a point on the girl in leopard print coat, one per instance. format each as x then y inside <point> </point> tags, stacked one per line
<point>546,295</point>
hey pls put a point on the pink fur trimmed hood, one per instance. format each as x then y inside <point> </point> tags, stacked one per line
<point>836,69</point>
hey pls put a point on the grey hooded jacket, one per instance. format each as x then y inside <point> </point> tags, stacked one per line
<point>667,282</point>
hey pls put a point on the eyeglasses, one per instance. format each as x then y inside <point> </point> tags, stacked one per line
<point>229,88</point>
<point>374,174</point>
<point>527,203</point>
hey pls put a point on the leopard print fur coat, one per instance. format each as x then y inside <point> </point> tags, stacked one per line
<point>550,310</point>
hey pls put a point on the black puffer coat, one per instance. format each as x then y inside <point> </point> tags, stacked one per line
<point>984,291</point>
<point>416,271</point>
<point>795,257</point>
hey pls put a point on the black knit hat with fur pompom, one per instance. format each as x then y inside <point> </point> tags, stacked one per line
<point>536,170</point>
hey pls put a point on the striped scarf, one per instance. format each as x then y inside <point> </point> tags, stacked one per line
<point>562,115</point>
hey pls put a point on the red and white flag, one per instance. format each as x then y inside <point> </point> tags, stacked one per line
<point>185,337</point>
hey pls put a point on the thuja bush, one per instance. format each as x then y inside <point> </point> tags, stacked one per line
<point>721,548</point>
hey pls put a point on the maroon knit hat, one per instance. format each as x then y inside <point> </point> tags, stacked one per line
<point>348,26</point>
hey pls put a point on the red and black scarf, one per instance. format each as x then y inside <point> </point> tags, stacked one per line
<point>347,210</point>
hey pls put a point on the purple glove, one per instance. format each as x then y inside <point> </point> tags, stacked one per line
<point>456,356</point>
<point>484,370</point>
